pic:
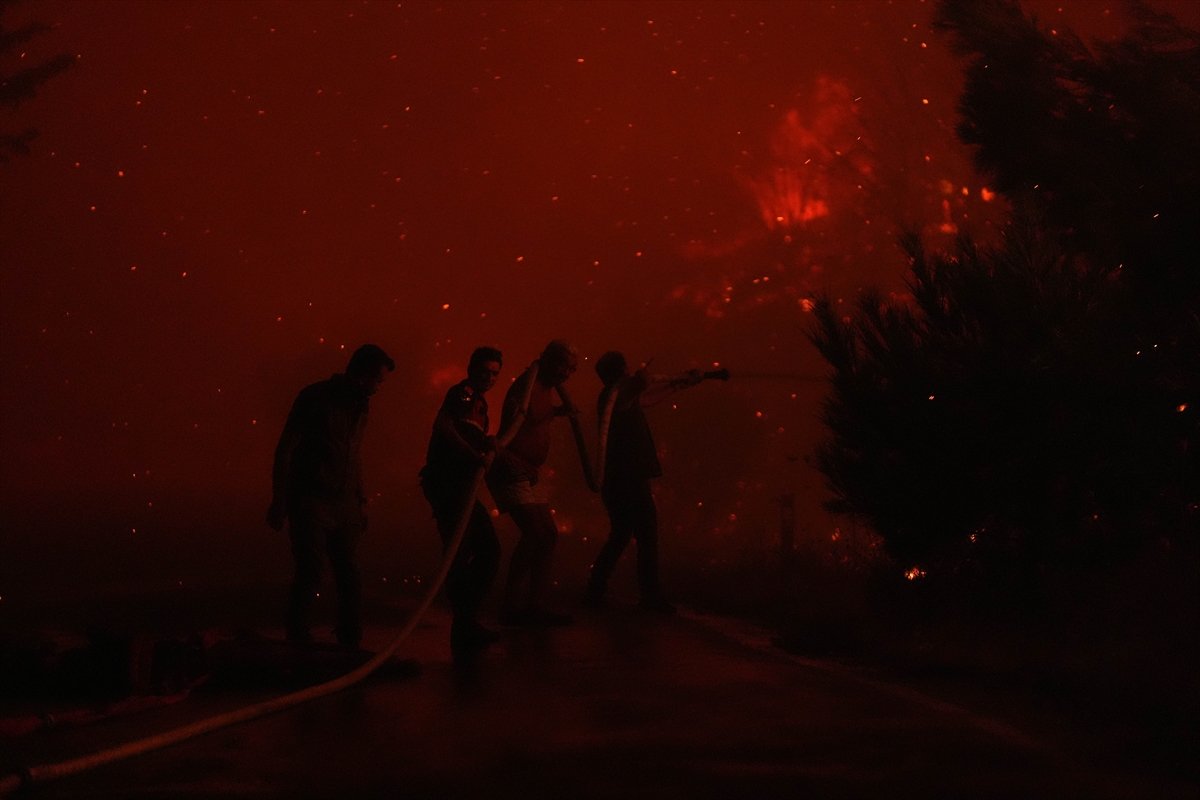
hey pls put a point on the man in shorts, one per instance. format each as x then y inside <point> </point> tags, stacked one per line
<point>514,484</point>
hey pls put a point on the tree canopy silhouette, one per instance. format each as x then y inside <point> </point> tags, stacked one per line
<point>21,84</point>
<point>1036,401</point>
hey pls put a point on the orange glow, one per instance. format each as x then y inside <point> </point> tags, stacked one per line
<point>444,377</point>
<point>807,150</point>
<point>947,225</point>
<point>788,199</point>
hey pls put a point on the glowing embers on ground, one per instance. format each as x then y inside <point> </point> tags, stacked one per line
<point>818,160</point>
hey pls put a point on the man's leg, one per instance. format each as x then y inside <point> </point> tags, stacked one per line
<point>342,544</point>
<point>484,559</point>
<point>476,564</point>
<point>447,505</point>
<point>306,538</point>
<point>620,532</point>
<point>455,577</point>
<point>644,522</point>
<point>520,567</point>
<point>545,539</point>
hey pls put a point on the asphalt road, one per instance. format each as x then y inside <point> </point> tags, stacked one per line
<point>619,704</point>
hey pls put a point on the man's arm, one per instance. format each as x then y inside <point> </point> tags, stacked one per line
<point>513,414</point>
<point>630,390</point>
<point>567,407</point>
<point>282,468</point>
<point>660,387</point>
<point>446,427</point>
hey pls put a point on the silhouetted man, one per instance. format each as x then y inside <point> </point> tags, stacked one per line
<point>515,486</point>
<point>318,489</point>
<point>630,463</point>
<point>458,448</point>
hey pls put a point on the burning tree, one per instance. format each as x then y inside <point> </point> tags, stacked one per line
<point>1035,403</point>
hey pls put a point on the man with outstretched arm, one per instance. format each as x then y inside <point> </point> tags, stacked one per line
<point>317,489</point>
<point>630,462</point>
<point>458,448</point>
<point>515,486</point>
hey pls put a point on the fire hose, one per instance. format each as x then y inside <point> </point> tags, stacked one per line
<point>590,476</point>
<point>43,773</point>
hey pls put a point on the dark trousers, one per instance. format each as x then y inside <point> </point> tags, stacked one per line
<point>632,513</point>
<point>532,558</point>
<point>478,556</point>
<point>312,541</point>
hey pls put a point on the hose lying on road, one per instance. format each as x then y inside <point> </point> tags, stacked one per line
<point>32,723</point>
<point>43,773</point>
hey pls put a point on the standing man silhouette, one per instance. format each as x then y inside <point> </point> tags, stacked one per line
<point>515,486</point>
<point>630,463</point>
<point>458,447</point>
<point>317,489</point>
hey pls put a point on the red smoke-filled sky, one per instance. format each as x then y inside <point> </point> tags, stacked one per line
<point>227,198</point>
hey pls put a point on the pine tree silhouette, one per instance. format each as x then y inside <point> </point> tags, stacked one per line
<point>21,84</point>
<point>1036,404</point>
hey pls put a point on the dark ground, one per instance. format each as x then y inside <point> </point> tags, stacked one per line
<point>619,704</point>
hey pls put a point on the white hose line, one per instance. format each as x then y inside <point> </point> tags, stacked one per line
<point>589,476</point>
<point>42,773</point>
<point>605,422</point>
<point>46,772</point>
<point>518,419</point>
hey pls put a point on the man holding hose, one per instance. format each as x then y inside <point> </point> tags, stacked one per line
<point>514,482</point>
<point>629,462</point>
<point>458,448</point>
